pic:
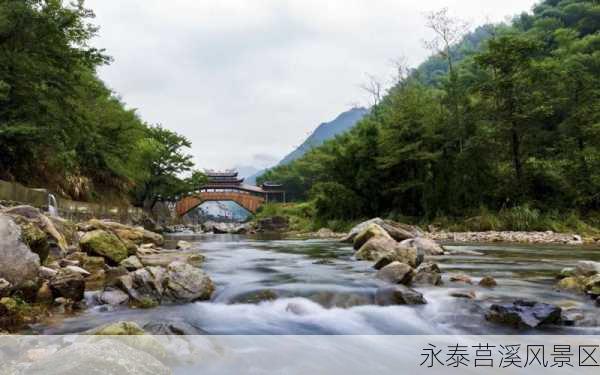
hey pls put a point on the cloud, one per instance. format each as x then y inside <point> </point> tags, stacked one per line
<point>246,78</point>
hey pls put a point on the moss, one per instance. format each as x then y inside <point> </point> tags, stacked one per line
<point>105,244</point>
<point>34,237</point>
<point>119,329</point>
<point>146,303</point>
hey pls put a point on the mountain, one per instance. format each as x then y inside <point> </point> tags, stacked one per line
<point>327,130</point>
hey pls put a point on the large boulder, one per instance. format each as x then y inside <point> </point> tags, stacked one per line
<point>34,215</point>
<point>423,245</point>
<point>166,257</point>
<point>587,268</point>
<point>112,297</point>
<point>105,244</point>
<point>126,233</point>
<point>396,273</point>
<point>18,264</point>
<point>179,282</point>
<point>68,284</point>
<point>34,237</point>
<point>106,356</point>
<point>397,231</point>
<point>187,284</point>
<point>371,231</point>
<point>398,295</point>
<point>132,263</point>
<point>375,248</point>
<point>143,285</point>
<point>428,274</point>
<point>524,314</point>
<point>385,250</point>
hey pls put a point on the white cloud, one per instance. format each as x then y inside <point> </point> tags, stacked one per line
<point>242,78</point>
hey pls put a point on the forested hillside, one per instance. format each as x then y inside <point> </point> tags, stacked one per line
<point>506,119</point>
<point>60,126</point>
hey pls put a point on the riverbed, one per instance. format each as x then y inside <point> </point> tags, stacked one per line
<point>271,286</point>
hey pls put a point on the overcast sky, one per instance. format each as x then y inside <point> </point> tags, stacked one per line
<point>248,80</point>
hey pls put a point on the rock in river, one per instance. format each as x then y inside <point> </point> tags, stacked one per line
<point>398,295</point>
<point>524,314</point>
<point>424,245</point>
<point>396,273</point>
<point>371,231</point>
<point>487,282</point>
<point>18,264</point>
<point>428,274</point>
<point>587,268</point>
<point>68,284</point>
<point>179,282</point>
<point>105,244</point>
<point>186,283</point>
<point>385,250</point>
<point>112,297</point>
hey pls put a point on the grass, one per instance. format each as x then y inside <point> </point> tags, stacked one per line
<point>519,218</point>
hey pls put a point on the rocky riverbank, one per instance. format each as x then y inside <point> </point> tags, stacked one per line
<point>47,264</point>
<point>404,257</point>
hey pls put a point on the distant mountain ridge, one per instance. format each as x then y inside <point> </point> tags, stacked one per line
<point>325,131</point>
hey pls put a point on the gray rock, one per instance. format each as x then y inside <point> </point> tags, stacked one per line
<point>428,274</point>
<point>397,231</point>
<point>47,273</point>
<point>172,328</point>
<point>132,263</point>
<point>186,283</point>
<point>106,356</point>
<point>164,258</point>
<point>68,284</point>
<point>179,282</point>
<point>396,273</point>
<point>398,295</point>
<point>78,270</point>
<point>371,231</point>
<point>384,250</point>
<point>587,268</point>
<point>425,246</point>
<point>18,264</point>
<point>113,297</point>
<point>524,314</point>
<point>183,245</point>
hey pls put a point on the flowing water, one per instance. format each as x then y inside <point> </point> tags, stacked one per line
<point>274,286</point>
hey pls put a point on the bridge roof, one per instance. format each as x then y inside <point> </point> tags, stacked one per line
<point>234,186</point>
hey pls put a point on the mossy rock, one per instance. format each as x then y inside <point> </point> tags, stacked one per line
<point>99,242</point>
<point>119,329</point>
<point>573,283</point>
<point>34,238</point>
<point>373,230</point>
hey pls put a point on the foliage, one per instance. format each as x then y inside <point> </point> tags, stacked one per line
<point>513,128</point>
<point>60,126</point>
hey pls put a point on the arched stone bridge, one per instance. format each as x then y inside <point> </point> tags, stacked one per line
<point>248,201</point>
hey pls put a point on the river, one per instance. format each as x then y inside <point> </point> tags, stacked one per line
<point>274,286</point>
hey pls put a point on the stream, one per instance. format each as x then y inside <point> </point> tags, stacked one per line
<point>273,286</point>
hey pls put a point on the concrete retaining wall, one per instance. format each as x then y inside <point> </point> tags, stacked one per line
<point>12,193</point>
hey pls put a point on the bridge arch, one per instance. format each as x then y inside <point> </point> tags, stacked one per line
<point>248,201</point>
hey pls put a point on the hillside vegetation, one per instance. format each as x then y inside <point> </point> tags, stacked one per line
<point>61,127</point>
<point>505,121</point>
